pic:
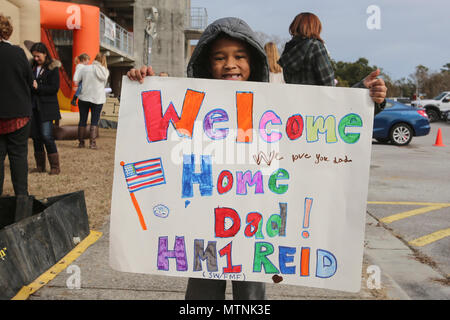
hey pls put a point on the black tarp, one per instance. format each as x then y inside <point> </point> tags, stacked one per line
<point>35,243</point>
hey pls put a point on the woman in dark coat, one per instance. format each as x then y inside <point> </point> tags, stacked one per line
<point>45,107</point>
<point>15,110</point>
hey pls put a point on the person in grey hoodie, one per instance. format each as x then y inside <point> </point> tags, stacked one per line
<point>229,50</point>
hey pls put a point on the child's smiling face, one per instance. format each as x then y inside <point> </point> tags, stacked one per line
<point>229,60</point>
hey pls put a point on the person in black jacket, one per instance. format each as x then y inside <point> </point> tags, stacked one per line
<point>15,109</point>
<point>45,107</point>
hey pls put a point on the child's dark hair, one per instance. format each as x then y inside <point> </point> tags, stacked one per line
<point>41,48</point>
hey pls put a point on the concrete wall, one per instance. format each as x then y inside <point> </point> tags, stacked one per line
<point>25,18</point>
<point>169,46</point>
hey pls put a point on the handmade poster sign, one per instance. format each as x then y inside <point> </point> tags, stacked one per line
<point>241,181</point>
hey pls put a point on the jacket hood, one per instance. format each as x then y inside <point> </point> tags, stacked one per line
<point>198,66</point>
<point>298,47</point>
<point>54,64</point>
<point>100,71</point>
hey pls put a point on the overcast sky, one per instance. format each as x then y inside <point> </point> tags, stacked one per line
<point>412,32</point>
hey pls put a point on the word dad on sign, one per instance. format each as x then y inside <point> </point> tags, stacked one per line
<point>185,213</point>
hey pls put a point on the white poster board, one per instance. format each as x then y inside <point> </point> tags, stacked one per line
<point>241,181</point>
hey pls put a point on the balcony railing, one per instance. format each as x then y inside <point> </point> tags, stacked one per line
<point>196,18</point>
<point>111,34</point>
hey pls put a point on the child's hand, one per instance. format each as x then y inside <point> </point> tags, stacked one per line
<point>140,74</point>
<point>377,87</point>
<point>35,84</point>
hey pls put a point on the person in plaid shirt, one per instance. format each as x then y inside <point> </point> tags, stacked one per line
<point>305,60</point>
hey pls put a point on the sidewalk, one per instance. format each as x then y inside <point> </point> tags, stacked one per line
<point>402,277</point>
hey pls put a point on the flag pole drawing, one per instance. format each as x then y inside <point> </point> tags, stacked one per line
<point>140,175</point>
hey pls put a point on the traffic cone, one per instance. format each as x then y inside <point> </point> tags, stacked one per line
<point>439,142</point>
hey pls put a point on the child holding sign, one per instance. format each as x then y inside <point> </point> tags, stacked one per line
<point>227,50</point>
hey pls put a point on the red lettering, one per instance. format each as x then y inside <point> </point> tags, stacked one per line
<point>244,105</point>
<point>157,124</point>
<point>230,268</point>
<point>220,215</point>
<point>253,220</point>
<point>229,178</point>
<point>294,127</point>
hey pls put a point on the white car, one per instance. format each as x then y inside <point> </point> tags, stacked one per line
<point>435,107</point>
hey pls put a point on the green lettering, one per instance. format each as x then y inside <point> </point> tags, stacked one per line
<point>262,250</point>
<point>350,120</point>
<point>280,174</point>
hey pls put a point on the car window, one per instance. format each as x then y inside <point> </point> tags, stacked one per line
<point>389,105</point>
<point>439,97</point>
<point>404,100</point>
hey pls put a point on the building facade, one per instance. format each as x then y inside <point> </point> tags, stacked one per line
<point>139,32</point>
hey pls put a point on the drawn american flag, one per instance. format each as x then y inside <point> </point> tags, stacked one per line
<point>144,174</point>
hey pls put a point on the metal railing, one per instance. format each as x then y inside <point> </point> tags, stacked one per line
<point>113,35</point>
<point>62,37</point>
<point>196,18</point>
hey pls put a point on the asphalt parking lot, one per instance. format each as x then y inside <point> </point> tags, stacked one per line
<point>409,193</point>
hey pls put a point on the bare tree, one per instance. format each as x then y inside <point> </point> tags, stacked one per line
<point>279,41</point>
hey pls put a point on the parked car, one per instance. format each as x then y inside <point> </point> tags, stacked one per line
<point>446,115</point>
<point>435,107</point>
<point>403,100</point>
<point>398,123</point>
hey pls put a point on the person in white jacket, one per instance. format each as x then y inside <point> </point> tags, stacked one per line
<point>92,97</point>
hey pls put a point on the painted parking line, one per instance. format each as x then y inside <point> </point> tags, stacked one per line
<point>406,203</point>
<point>428,207</point>
<point>430,238</point>
<point>425,207</point>
<point>410,213</point>
<point>62,264</point>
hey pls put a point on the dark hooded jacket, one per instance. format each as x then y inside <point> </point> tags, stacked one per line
<point>198,66</point>
<point>45,97</point>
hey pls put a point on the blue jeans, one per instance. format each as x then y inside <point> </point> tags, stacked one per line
<point>42,134</point>
<point>84,108</point>
<point>78,90</point>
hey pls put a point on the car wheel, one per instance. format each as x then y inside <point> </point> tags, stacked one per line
<point>433,115</point>
<point>401,134</point>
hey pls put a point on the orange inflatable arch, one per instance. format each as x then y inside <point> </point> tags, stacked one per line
<point>84,20</point>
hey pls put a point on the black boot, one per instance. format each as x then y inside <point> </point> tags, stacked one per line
<point>24,207</point>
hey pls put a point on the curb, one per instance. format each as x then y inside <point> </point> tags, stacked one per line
<point>404,277</point>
